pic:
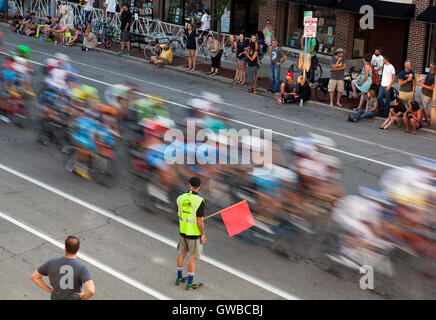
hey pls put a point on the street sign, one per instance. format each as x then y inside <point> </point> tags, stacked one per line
<point>310,25</point>
<point>308,14</point>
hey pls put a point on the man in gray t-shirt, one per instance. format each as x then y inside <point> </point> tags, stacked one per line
<point>277,58</point>
<point>66,275</point>
<point>337,68</point>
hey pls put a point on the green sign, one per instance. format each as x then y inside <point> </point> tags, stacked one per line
<point>308,14</point>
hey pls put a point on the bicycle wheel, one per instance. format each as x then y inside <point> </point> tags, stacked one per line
<point>108,42</point>
<point>294,69</point>
<point>318,72</point>
<point>148,51</point>
<point>178,49</point>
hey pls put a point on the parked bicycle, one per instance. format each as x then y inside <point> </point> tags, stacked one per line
<point>150,43</point>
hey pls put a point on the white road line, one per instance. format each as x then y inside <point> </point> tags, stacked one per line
<point>152,234</point>
<point>301,124</point>
<point>88,259</point>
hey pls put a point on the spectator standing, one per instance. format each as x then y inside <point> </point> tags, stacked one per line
<point>413,118</point>
<point>205,22</point>
<point>251,55</point>
<point>312,48</point>
<point>407,82</point>
<point>427,93</point>
<point>191,45</point>
<point>230,51</point>
<point>371,108</point>
<point>66,275</point>
<point>377,61</point>
<point>268,36</point>
<point>241,59</point>
<point>87,11</point>
<point>126,20</point>
<point>395,114</point>
<point>277,58</point>
<point>90,40</point>
<point>365,81</point>
<point>336,82</point>
<point>387,81</point>
<point>215,51</point>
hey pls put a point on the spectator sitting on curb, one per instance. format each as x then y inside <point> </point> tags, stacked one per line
<point>288,90</point>
<point>304,92</point>
<point>30,28</point>
<point>14,23</point>
<point>44,26</point>
<point>395,114</point>
<point>370,111</point>
<point>76,37</point>
<point>336,82</point>
<point>413,118</point>
<point>165,57</point>
<point>89,40</point>
<point>25,21</point>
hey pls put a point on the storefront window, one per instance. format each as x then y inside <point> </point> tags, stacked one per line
<point>360,37</point>
<point>325,31</point>
<point>432,46</point>
<point>173,11</point>
<point>193,11</point>
<point>145,8</point>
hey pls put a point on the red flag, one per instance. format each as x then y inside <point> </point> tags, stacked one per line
<point>237,218</point>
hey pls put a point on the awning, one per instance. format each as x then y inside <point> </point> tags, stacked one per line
<point>386,9</point>
<point>319,3</point>
<point>428,15</point>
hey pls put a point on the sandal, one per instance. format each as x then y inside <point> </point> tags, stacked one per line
<point>250,90</point>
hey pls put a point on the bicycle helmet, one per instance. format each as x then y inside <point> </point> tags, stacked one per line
<point>62,57</point>
<point>91,93</point>
<point>25,50</point>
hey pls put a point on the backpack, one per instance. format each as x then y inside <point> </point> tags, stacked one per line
<point>375,76</point>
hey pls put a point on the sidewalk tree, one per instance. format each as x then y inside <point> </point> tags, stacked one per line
<point>220,8</point>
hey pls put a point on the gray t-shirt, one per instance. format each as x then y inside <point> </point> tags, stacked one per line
<point>276,55</point>
<point>429,80</point>
<point>66,276</point>
<point>337,75</point>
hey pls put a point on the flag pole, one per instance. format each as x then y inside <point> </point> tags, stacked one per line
<point>214,214</point>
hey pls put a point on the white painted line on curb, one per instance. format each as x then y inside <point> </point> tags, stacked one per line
<point>88,259</point>
<point>152,234</point>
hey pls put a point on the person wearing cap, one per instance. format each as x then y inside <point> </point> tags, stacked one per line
<point>192,237</point>
<point>288,90</point>
<point>205,22</point>
<point>126,21</point>
<point>336,82</point>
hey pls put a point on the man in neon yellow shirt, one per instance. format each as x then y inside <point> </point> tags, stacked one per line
<point>166,55</point>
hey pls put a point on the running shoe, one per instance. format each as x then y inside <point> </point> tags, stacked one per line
<point>194,286</point>
<point>179,281</point>
<point>120,52</point>
<point>128,54</point>
<point>279,101</point>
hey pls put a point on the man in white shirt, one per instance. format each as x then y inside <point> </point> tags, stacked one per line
<point>388,79</point>
<point>111,6</point>
<point>205,19</point>
<point>87,11</point>
<point>377,61</point>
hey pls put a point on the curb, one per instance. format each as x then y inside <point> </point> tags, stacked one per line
<point>220,79</point>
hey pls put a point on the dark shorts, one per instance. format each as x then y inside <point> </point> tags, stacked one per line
<point>125,36</point>
<point>79,38</point>
<point>242,59</point>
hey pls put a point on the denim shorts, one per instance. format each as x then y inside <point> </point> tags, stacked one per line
<point>242,59</point>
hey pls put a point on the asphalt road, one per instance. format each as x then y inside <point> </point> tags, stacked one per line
<point>132,253</point>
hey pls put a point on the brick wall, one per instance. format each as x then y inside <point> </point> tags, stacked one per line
<point>345,32</point>
<point>275,11</point>
<point>417,39</point>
